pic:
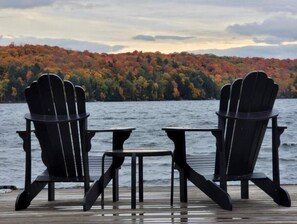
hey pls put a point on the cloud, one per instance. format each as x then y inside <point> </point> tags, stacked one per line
<point>275,30</point>
<point>64,43</point>
<point>262,5</point>
<point>21,4</point>
<point>159,37</point>
<point>144,38</point>
<point>280,51</point>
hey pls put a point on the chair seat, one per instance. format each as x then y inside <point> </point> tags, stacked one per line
<point>204,164</point>
<point>94,169</point>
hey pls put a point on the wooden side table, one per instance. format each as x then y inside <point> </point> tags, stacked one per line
<point>140,153</point>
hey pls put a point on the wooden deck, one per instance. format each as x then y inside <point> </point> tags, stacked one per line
<point>155,208</point>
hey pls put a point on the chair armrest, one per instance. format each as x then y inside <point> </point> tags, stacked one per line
<point>279,127</point>
<point>188,129</point>
<point>263,115</point>
<point>177,135</point>
<point>117,129</point>
<point>24,131</point>
<point>20,132</point>
<point>120,135</point>
<point>54,118</point>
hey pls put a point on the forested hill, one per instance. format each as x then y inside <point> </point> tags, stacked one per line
<point>137,75</point>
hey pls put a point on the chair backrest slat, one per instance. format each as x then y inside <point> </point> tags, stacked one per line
<point>71,103</point>
<point>80,98</point>
<point>232,107</point>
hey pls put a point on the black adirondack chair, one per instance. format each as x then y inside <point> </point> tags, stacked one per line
<point>246,106</point>
<point>58,112</point>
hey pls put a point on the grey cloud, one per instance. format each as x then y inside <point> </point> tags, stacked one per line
<point>280,51</point>
<point>65,43</point>
<point>144,37</point>
<point>159,37</point>
<point>25,3</point>
<point>261,5</point>
<point>274,30</point>
<point>172,37</point>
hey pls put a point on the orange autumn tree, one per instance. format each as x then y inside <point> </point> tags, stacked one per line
<point>136,75</point>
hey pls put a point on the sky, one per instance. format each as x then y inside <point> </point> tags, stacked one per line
<point>244,28</point>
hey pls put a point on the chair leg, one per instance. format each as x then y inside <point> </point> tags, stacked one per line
<point>183,186</point>
<point>279,195</point>
<point>245,189</point>
<point>25,197</point>
<point>211,189</point>
<point>96,189</point>
<point>51,191</point>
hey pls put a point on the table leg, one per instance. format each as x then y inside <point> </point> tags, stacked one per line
<point>133,181</point>
<point>115,185</point>
<point>172,180</point>
<point>140,173</point>
<point>102,172</point>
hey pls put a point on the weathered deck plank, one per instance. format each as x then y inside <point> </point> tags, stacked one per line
<point>155,209</point>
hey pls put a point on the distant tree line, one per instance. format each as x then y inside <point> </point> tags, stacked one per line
<point>135,76</point>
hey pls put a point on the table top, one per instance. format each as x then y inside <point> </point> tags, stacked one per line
<point>139,152</point>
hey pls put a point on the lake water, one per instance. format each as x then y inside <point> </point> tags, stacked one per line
<point>148,118</point>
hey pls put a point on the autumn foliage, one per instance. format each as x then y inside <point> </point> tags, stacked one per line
<point>136,75</point>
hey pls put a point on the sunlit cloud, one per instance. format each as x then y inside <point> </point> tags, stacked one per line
<point>160,37</point>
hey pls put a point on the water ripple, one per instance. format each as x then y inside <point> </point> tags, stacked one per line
<point>148,118</point>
